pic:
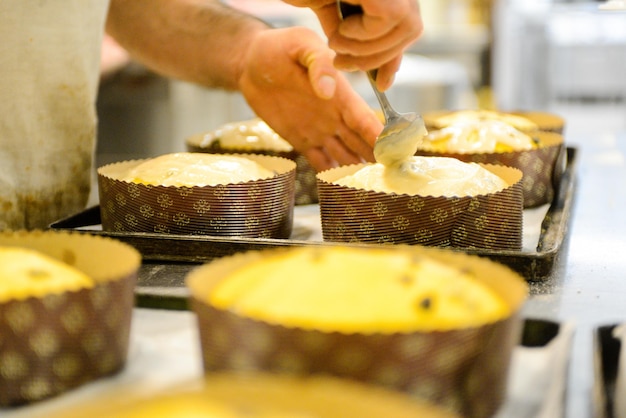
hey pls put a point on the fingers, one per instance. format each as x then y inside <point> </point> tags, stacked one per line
<point>332,153</point>
<point>328,17</point>
<point>336,148</point>
<point>354,119</point>
<point>386,73</point>
<point>346,146</point>
<point>290,81</point>
<point>354,53</point>
<point>377,20</point>
<point>392,43</point>
<point>318,159</point>
<point>377,38</point>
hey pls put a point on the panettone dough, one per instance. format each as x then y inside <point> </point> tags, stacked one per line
<point>29,273</point>
<point>196,169</point>
<point>517,121</point>
<point>263,395</point>
<point>350,289</point>
<point>426,176</point>
<point>194,405</point>
<point>471,136</point>
<point>252,134</point>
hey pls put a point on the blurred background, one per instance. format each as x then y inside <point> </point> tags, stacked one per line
<point>567,57</point>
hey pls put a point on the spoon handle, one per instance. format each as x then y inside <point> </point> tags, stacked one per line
<point>345,10</point>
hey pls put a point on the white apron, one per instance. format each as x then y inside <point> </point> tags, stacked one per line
<point>49,73</point>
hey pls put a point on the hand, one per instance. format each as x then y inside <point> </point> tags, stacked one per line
<point>288,78</point>
<point>375,39</point>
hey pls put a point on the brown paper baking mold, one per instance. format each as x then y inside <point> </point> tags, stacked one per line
<point>544,121</point>
<point>306,183</point>
<point>490,221</point>
<point>541,167</point>
<point>463,370</point>
<point>254,209</point>
<point>51,344</point>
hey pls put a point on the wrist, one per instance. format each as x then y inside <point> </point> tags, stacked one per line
<point>241,54</point>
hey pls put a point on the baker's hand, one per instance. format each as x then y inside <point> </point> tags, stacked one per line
<point>375,39</point>
<point>289,80</point>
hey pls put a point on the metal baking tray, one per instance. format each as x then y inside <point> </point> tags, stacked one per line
<point>167,257</point>
<point>606,360</point>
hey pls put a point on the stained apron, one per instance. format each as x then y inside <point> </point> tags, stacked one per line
<point>49,73</point>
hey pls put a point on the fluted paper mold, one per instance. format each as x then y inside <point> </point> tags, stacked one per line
<point>51,344</point>
<point>253,209</point>
<point>464,370</point>
<point>541,167</point>
<point>306,184</point>
<point>489,221</point>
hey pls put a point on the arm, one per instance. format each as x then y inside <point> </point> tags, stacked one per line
<point>376,39</point>
<point>286,75</point>
<point>201,41</point>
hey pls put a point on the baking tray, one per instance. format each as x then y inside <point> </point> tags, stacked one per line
<point>167,258</point>
<point>606,360</point>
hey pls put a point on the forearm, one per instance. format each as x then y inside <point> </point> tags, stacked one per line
<point>201,41</point>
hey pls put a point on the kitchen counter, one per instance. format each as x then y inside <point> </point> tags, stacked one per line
<point>587,288</point>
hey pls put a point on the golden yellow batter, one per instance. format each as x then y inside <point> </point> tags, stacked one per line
<point>28,273</point>
<point>262,395</point>
<point>351,289</point>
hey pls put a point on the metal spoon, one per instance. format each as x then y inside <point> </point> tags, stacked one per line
<point>403,132</point>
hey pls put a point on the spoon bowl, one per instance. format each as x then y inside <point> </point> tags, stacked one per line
<point>402,132</point>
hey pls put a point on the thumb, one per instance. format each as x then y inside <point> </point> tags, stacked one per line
<point>324,86</point>
<point>318,60</point>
